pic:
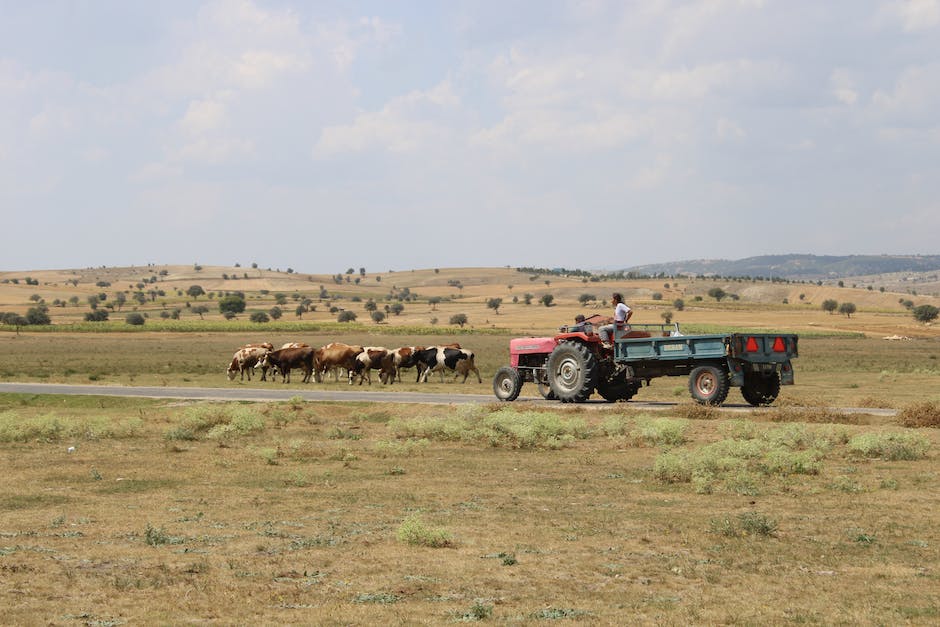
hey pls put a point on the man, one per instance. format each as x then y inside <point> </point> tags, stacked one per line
<point>622,315</point>
<point>578,324</point>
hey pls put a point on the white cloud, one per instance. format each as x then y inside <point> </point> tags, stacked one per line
<point>727,130</point>
<point>404,125</point>
<point>203,115</point>
<point>842,86</point>
<point>216,151</point>
<point>914,15</point>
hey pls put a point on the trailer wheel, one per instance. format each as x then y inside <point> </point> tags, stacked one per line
<point>709,385</point>
<point>507,384</point>
<point>761,390</point>
<point>572,372</point>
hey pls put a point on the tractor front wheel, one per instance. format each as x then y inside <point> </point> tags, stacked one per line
<point>572,372</point>
<point>507,384</point>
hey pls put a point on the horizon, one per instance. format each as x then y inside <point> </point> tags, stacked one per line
<point>416,134</point>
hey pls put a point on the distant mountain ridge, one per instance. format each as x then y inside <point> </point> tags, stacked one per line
<point>795,266</point>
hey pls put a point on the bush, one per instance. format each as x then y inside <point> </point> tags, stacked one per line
<point>890,446</point>
<point>135,319</point>
<point>259,317</point>
<point>346,316</point>
<point>413,531</point>
<point>923,414</point>
<point>925,313</point>
<point>98,315</point>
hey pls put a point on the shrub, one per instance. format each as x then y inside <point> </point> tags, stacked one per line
<point>98,315</point>
<point>890,446</point>
<point>259,317</point>
<point>346,316</point>
<point>922,414</point>
<point>659,431</point>
<point>414,532</point>
<point>135,319</point>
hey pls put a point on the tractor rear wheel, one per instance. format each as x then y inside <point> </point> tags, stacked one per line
<point>507,384</point>
<point>760,390</point>
<point>709,385</point>
<point>617,391</point>
<point>572,372</point>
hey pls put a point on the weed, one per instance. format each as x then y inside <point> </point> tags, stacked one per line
<point>694,411</point>
<point>383,598</point>
<point>269,455</point>
<point>922,414</point>
<point>155,536</point>
<point>744,524</point>
<point>556,613</point>
<point>890,446</point>
<point>414,532</point>
<point>407,448</point>
<point>478,611</point>
<point>659,431</point>
<point>95,474</point>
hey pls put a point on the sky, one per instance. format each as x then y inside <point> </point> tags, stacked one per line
<point>425,134</point>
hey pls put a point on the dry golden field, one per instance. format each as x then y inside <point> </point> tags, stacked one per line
<point>127,511</point>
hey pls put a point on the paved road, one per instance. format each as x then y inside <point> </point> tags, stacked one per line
<point>347,395</point>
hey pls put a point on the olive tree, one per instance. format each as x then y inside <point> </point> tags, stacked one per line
<point>847,309</point>
<point>829,305</point>
<point>925,313</point>
<point>459,319</point>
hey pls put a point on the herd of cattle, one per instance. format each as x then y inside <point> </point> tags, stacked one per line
<point>357,361</point>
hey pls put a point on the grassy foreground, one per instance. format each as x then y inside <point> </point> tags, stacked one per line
<point>323,513</point>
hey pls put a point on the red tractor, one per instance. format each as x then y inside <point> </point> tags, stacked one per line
<point>574,364</point>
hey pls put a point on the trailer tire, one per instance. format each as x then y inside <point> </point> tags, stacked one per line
<point>761,390</point>
<point>572,372</point>
<point>507,384</point>
<point>709,385</point>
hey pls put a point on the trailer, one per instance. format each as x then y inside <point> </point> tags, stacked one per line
<point>574,364</point>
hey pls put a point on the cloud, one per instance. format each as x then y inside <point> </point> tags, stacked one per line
<point>404,125</point>
<point>914,15</point>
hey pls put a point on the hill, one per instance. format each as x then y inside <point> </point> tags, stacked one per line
<point>798,267</point>
<point>431,298</point>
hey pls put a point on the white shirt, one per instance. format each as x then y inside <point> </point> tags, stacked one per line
<point>620,312</point>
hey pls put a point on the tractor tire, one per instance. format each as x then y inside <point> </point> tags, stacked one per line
<point>572,372</point>
<point>507,384</point>
<point>617,391</point>
<point>759,390</point>
<point>709,385</point>
<point>544,388</point>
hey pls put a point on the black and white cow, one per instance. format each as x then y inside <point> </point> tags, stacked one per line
<point>441,358</point>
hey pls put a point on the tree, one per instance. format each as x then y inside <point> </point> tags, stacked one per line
<point>280,299</point>
<point>494,303</point>
<point>547,300</point>
<point>259,317</point>
<point>299,312</point>
<point>93,301</point>
<point>199,310</point>
<point>396,308</point>
<point>378,316</point>
<point>195,291</point>
<point>679,304</point>
<point>829,305</point>
<point>527,298</point>
<point>433,302</point>
<point>459,319</point>
<point>925,313</point>
<point>657,296</point>
<point>847,309</point>
<point>14,320</point>
<point>38,315</point>
<point>135,319</point>
<point>584,299</point>
<point>666,316</point>
<point>346,316</point>
<point>275,313</point>
<point>370,305</point>
<point>717,293</point>
<point>233,303</point>
<point>119,299</point>
<point>98,315</point>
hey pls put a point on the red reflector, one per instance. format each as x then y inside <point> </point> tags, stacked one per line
<point>751,345</point>
<point>780,346</point>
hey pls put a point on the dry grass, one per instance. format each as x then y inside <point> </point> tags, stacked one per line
<point>922,414</point>
<point>344,528</point>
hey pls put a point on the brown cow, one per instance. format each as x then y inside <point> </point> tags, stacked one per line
<point>370,357</point>
<point>336,355</point>
<point>246,359</point>
<point>286,359</point>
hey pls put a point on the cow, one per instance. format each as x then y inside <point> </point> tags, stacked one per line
<point>397,360</point>
<point>336,355</point>
<point>440,358</point>
<point>294,345</point>
<point>245,360</point>
<point>370,357</point>
<point>286,359</point>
